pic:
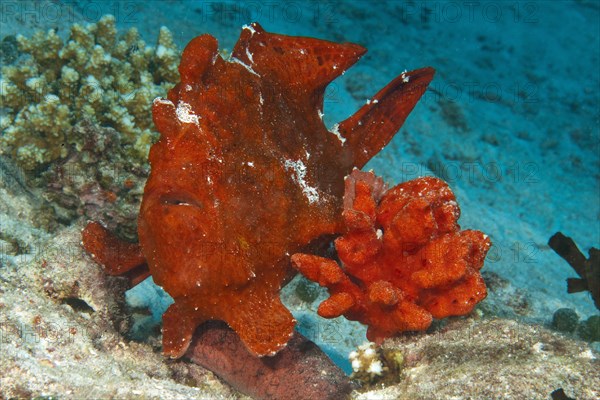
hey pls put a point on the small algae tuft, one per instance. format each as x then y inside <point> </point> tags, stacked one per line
<point>589,329</point>
<point>307,291</point>
<point>565,320</point>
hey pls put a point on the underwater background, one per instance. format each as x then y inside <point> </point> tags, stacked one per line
<point>511,121</point>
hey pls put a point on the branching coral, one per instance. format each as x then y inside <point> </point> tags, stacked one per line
<point>404,258</point>
<point>94,76</point>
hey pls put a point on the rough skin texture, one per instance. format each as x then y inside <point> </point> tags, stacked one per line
<point>246,174</point>
<point>404,258</point>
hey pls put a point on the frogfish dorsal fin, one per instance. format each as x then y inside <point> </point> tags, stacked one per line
<point>372,127</point>
<point>303,63</point>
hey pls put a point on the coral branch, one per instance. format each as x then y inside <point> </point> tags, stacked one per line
<point>404,259</point>
<point>588,269</point>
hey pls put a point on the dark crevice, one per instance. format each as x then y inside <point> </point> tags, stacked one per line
<point>78,305</point>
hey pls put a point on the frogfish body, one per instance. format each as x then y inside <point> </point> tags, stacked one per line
<point>244,175</point>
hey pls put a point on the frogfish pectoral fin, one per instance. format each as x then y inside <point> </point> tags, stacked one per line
<point>178,327</point>
<point>264,324</point>
<point>115,255</point>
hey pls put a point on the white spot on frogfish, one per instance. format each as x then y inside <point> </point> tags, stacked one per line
<point>335,129</point>
<point>299,170</point>
<point>185,113</point>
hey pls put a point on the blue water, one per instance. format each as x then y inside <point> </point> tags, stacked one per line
<point>511,120</point>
